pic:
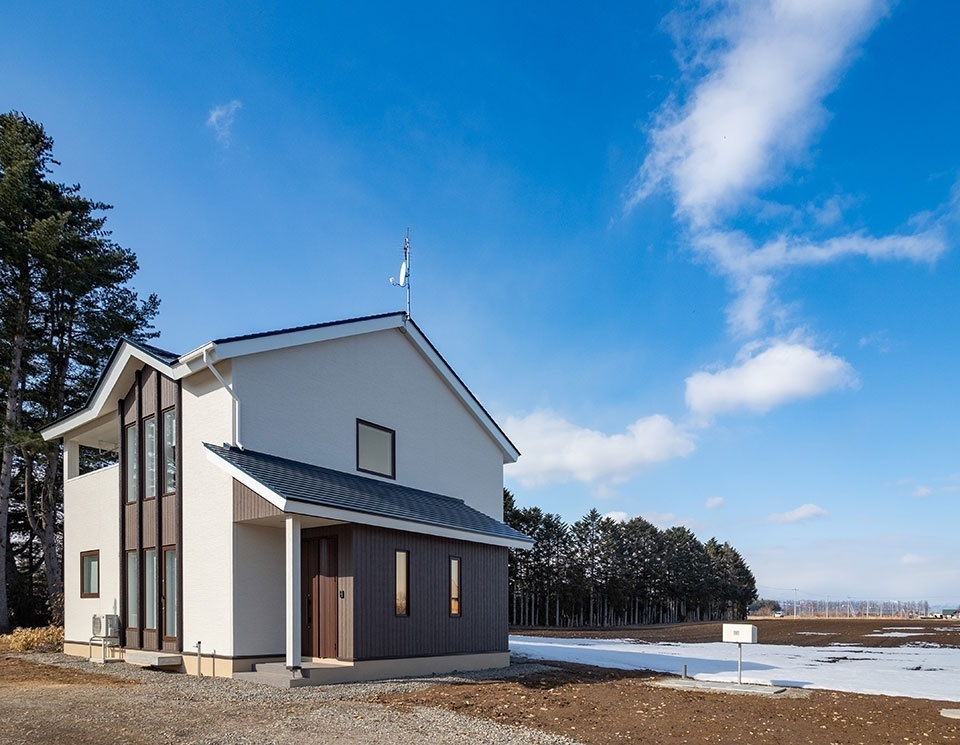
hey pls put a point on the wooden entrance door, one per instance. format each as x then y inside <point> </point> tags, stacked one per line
<point>318,560</point>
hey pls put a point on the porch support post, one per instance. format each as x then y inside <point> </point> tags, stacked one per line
<point>293,592</point>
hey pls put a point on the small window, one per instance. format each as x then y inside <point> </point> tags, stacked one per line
<point>403,583</point>
<point>130,463</point>
<point>376,449</point>
<point>149,458</point>
<point>169,593</point>
<point>169,451</point>
<point>454,585</point>
<point>150,589</point>
<point>90,574</point>
<point>133,590</point>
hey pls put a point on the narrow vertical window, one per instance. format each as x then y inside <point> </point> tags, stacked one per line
<point>149,458</point>
<point>454,585</point>
<point>150,588</point>
<point>170,593</point>
<point>130,465</point>
<point>133,591</point>
<point>90,574</point>
<point>376,449</point>
<point>403,583</point>
<point>169,451</point>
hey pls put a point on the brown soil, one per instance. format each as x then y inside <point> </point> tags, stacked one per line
<point>21,673</point>
<point>595,705</point>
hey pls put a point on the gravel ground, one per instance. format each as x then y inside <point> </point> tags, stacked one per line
<point>168,707</point>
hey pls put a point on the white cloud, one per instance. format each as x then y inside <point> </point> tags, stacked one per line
<point>784,371</point>
<point>753,270</point>
<point>913,559</point>
<point>221,120</point>
<point>922,491</point>
<point>768,65</point>
<point>662,520</point>
<point>713,503</point>
<point>799,515</point>
<point>618,516</point>
<point>555,450</point>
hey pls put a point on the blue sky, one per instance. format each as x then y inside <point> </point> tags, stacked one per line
<point>700,260</point>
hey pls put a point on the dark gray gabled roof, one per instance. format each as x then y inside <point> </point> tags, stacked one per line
<point>309,484</point>
<point>294,329</point>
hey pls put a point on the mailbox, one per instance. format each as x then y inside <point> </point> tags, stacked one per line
<point>740,633</point>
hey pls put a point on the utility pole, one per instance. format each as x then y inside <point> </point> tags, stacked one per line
<point>794,603</point>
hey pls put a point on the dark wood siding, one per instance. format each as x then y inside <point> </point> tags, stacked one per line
<point>155,522</point>
<point>248,505</point>
<point>429,629</point>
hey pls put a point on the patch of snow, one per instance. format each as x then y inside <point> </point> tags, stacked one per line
<point>817,633</point>
<point>898,634</point>
<point>914,671</point>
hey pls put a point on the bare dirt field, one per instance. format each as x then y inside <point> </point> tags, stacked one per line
<point>52,704</point>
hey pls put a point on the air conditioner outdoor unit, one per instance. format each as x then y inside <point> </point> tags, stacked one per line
<point>106,625</point>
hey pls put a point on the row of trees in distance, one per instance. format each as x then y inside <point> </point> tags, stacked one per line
<point>602,572</point>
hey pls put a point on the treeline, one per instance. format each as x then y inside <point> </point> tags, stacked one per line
<point>64,303</point>
<point>601,572</point>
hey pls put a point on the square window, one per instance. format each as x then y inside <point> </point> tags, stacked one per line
<point>376,449</point>
<point>90,574</point>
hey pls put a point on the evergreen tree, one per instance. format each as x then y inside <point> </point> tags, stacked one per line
<point>65,303</point>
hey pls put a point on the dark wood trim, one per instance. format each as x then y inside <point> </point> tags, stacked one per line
<point>178,445</point>
<point>141,564</point>
<point>393,449</point>
<point>83,555</point>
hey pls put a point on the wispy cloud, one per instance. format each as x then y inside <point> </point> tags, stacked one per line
<point>763,378</point>
<point>922,491</point>
<point>557,451</point>
<point>800,515</point>
<point>765,68</point>
<point>714,503</point>
<point>221,119</point>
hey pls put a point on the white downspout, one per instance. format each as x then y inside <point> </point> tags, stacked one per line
<point>229,389</point>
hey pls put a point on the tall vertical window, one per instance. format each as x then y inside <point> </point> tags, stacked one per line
<point>170,592</point>
<point>376,452</point>
<point>454,585</point>
<point>403,583</point>
<point>149,458</point>
<point>169,451</point>
<point>90,574</point>
<point>133,594</point>
<point>131,463</point>
<point>150,588</point>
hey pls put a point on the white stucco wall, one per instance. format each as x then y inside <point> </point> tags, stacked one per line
<point>91,515</point>
<point>303,403</point>
<point>259,591</point>
<point>207,551</point>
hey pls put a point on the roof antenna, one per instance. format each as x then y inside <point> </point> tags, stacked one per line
<point>404,271</point>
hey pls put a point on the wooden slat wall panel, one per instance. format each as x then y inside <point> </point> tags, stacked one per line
<point>169,515</point>
<point>130,407</point>
<point>429,629</point>
<point>130,527</point>
<point>149,391</point>
<point>168,392</point>
<point>150,523</point>
<point>248,505</point>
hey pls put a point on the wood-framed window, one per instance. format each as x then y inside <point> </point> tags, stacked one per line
<point>133,590</point>
<point>376,449</point>
<point>403,583</point>
<point>169,434</point>
<point>130,462</point>
<point>170,593</point>
<point>455,586</point>
<point>90,574</point>
<point>150,589</point>
<point>150,457</point>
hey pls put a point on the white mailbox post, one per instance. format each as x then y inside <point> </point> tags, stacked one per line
<point>741,633</point>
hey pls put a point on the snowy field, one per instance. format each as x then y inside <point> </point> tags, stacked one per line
<point>916,671</point>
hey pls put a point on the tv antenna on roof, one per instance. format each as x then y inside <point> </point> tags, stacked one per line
<point>404,271</point>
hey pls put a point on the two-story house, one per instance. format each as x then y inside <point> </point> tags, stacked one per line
<point>323,502</point>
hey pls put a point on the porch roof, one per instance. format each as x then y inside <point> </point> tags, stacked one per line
<point>357,498</point>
